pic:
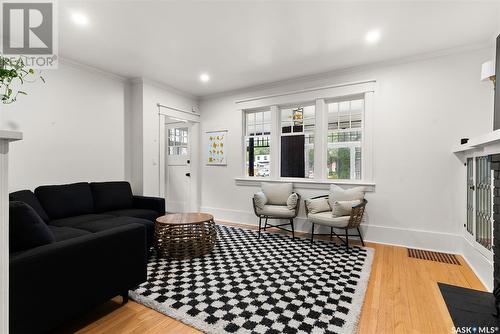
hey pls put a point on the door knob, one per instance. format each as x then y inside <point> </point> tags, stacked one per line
<point>188,174</point>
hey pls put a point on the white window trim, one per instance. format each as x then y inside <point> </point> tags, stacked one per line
<point>305,183</point>
<point>319,95</point>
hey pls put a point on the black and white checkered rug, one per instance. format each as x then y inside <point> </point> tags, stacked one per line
<point>271,285</point>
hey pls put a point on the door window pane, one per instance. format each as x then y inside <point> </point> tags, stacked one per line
<point>177,141</point>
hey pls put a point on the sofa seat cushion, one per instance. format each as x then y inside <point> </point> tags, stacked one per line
<point>325,218</point>
<point>67,200</point>
<point>276,211</point>
<point>110,196</point>
<point>64,233</point>
<point>77,220</point>
<point>28,197</point>
<point>136,213</point>
<point>109,223</point>
<point>26,228</point>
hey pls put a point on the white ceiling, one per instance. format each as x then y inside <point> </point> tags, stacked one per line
<point>248,43</point>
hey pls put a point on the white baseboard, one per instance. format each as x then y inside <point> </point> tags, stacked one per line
<point>428,240</point>
<point>436,241</point>
<point>482,267</point>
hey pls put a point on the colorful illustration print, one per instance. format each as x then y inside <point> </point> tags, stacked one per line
<point>216,148</point>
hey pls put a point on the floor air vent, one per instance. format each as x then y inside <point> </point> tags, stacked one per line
<point>433,256</point>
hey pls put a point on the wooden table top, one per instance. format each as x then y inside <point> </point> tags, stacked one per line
<point>185,218</point>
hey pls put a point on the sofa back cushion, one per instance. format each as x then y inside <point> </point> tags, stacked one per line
<point>66,200</point>
<point>111,195</point>
<point>28,197</point>
<point>277,193</point>
<point>26,228</point>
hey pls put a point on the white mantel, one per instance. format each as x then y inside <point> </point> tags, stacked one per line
<point>6,136</point>
<point>485,144</point>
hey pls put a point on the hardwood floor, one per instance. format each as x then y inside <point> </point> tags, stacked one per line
<point>402,297</point>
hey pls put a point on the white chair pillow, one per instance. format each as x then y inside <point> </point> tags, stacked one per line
<point>260,200</point>
<point>339,194</point>
<point>292,200</point>
<point>343,208</point>
<point>277,193</point>
<point>317,205</point>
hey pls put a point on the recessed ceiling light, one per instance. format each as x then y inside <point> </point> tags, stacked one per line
<point>204,77</point>
<point>373,36</point>
<point>79,19</point>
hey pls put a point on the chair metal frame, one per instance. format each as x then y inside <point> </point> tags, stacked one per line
<point>357,213</point>
<point>266,225</point>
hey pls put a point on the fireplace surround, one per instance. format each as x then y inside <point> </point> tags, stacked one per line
<point>495,166</point>
<point>471,308</point>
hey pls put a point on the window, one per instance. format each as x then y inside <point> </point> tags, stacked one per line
<point>257,143</point>
<point>297,141</point>
<point>177,141</point>
<point>313,135</point>
<point>344,139</point>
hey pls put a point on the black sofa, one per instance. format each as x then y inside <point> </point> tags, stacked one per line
<point>73,247</point>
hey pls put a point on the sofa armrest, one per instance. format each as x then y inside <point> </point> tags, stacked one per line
<point>53,283</point>
<point>151,203</point>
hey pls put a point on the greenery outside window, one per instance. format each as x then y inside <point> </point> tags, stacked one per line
<point>344,139</point>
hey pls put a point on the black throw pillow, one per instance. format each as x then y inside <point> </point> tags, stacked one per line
<point>26,228</point>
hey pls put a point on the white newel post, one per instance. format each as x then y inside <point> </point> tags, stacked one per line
<point>5,138</point>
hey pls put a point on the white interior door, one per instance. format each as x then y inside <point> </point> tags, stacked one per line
<point>177,166</point>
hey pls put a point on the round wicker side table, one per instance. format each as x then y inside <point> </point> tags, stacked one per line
<point>185,235</point>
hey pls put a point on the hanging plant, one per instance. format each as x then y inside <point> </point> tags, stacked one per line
<point>14,73</point>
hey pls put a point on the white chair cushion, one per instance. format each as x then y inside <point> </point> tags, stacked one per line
<point>343,208</point>
<point>276,211</point>
<point>260,199</point>
<point>318,205</point>
<point>339,194</point>
<point>326,219</point>
<point>277,193</point>
<point>292,200</point>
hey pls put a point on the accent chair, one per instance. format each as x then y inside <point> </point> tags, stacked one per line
<point>341,209</point>
<point>276,201</point>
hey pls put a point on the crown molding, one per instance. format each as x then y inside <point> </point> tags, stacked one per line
<point>90,68</point>
<point>160,85</point>
<point>353,69</point>
<point>288,81</point>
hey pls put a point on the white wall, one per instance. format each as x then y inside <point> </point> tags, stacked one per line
<point>73,129</point>
<point>422,108</point>
<point>145,130</point>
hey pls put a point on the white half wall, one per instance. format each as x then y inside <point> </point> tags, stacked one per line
<point>422,109</point>
<point>145,130</point>
<point>73,128</point>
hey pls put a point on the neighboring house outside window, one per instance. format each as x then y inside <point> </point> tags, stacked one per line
<point>297,141</point>
<point>257,143</point>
